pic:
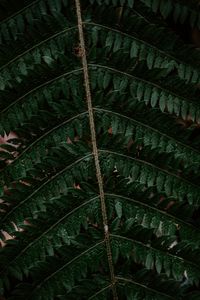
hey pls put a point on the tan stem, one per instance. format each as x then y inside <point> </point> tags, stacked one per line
<point>95,150</point>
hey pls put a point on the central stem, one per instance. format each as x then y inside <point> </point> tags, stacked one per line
<point>95,150</point>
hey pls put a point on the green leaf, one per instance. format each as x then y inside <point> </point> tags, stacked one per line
<point>22,67</point>
<point>110,40</point>
<point>106,80</point>
<point>118,209</point>
<point>162,103</point>
<point>140,91</point>
<point>150,58</point>
<point>20,23</point>
<point>48,60</point>
<point>2,84</point>
<point>184,110</point>
<point>158,264</point>
<point>170,104</point>
<point>154,97</point>
<point>117,42</point>
<point>166,8</point>
<point>149,261</point>
<point>131,3</point>
<point>134,50</point>
<point>155,5</point>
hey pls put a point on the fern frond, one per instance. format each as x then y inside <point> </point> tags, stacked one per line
<point>37,150</point>
<point>149,217</point>
<point>47,51</point>
<point>139,40</point>
<point>31,100</point>
<point>150,175</point>
<point>149,136</point>
<point>102,294</point>
<point>140,290</point>
<point>35,202</point>
<point>62,232</point>
<point>137,48</point>
<point>15,24</point>
<point>66,274</point>
<point>153,94</point>
<point>100,185</point>
<point>181,12</point>
<point>173,265</point>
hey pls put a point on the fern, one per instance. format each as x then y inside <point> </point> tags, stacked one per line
<point>100,184</point>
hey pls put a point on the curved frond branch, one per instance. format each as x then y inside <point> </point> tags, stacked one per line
<point>193,199</point>
<point>139,79</point>
<point>64,266</point>
<point>185,263</point>
<point>37,46</point>
<point>94,146</point>
<point>150,165</point>
<point>180,145</point>
<point>45,184</point>
<point>131,281</point>
<point>39,140</point>
<point>23,252</point>
<point>178,63</point>
<point>181,11</point>
<point>100,292</point>
<point>38,9</point>
<point>192,106</point>
<point>40,87</point>
<point>20,11</point>
<point>190,232</point>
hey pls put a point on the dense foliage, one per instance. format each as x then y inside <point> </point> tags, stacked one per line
<point>100,188</point>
